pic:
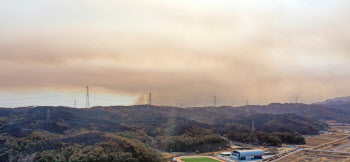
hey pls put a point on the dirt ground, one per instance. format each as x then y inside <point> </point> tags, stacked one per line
<point>336,134</point>
<point>315,157</point>
<point>323,138</point>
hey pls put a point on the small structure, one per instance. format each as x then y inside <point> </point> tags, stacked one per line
<point>247,154</point>
<point>227,154</point>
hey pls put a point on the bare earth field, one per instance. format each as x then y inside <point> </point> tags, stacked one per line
<point>343,148</point>
<point>330,148</point>
<point>323,138</point>
<point>315,157</point>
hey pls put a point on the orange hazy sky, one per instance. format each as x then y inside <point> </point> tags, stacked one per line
<point>184,51</point>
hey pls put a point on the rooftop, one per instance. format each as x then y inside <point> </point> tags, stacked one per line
<point>256,150</point>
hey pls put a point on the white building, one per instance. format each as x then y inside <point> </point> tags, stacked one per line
<point>247,154</point>
<point>228,154</point>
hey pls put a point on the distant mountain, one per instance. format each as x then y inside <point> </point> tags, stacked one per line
<point>287,122</point>
<point>317,112</point>
<point>119,118</point>
<point>335,101</point>
<point>342,103</point>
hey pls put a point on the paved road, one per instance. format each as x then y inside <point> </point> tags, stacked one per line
<point>342,148</point>
<point>329,151</point>
<point>287,155</point>
<point>324,151</point>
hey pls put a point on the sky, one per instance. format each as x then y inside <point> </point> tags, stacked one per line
<point>183,51</point>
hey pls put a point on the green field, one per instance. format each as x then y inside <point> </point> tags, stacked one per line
<point>198,159</point>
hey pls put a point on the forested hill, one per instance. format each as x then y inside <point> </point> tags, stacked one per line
<point>115,119</point>
<point>278,123</point>
<point>317,112</point>
<point>101,134</point>
<point>50,132</point>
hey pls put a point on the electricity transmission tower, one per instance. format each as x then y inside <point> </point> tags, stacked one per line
<point>87,104</point>
<point>150,103</point>
<point>252,126</point>
<point>75,103</point>
<point>48,116</point>
<point>150,98</point>
<point>214,100</point>
<point>246,110</point>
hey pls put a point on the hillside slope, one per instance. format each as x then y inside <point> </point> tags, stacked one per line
<point>164,128</point>
<point>317,112</point>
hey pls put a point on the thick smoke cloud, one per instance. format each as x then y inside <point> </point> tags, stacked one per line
<point>184,52</point>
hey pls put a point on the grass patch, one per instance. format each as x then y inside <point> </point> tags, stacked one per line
<point>198,159</point>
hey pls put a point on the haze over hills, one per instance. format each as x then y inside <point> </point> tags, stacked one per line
<point>60,53</point>
<point>335,101</point>
<point>118,115</point>
<point>342,103</point>
<point>317,112</point>
<point>163,128</point>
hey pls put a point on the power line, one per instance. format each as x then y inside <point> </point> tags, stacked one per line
<point>32,98</point>
<point>109,99</point>
<point>61,102</point>
<point>37,99</point>
<point>109,96</point>
<point>46,101</point>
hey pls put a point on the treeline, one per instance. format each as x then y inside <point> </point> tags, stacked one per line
<point>276,123</point>
<point>193,139</point>
<point>82,146</point>
<point>266,139</point>
<point>290,137</point>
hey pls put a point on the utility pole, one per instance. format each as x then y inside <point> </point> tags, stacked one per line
<point>48,116</point>
<point>87,103</point>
